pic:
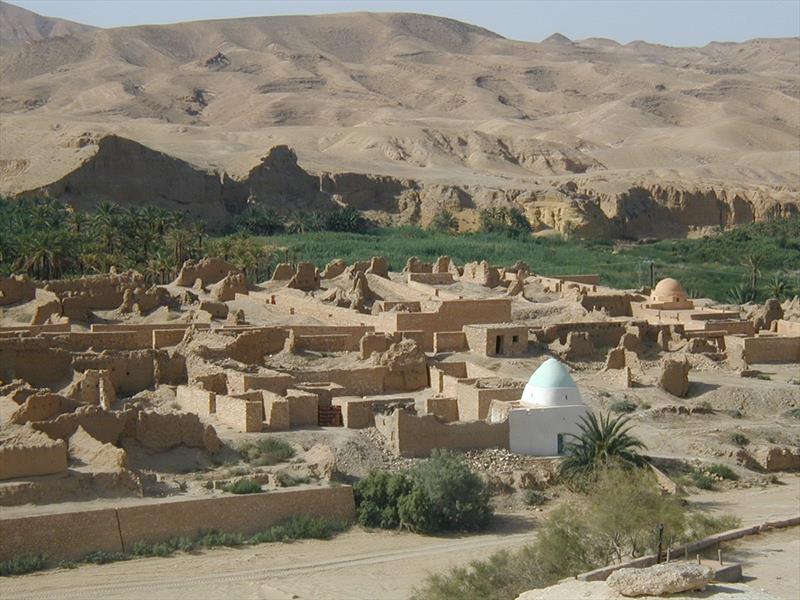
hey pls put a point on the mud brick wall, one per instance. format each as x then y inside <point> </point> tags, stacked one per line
<point>25,461</point>
<point>449,341</point>
<point>474,401</point>
<point>195,400</point>
<point>242,415</point>
<point>415,436</point>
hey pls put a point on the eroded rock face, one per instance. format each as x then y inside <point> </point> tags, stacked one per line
<point>661,579</point>
<point>674,376</point>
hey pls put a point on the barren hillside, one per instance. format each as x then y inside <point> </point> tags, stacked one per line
<point>401,114</point>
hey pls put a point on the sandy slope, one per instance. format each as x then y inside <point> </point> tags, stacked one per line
<point>404,94</point>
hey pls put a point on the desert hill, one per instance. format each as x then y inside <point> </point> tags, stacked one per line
<point>401,114</point>
<point>18,26</point>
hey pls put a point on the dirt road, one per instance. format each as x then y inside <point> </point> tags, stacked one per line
<point>363,565</point>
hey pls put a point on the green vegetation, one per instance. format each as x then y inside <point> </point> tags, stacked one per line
<point>24,564</point>
<point>615,519</point>
<point>286,479</point>
<point>444,222</point>
<point>700,480</point>
<point>739,439</point>
<point>794,413</point>
<point>723,471</point>
<point>623,406</point>
<point>266,451</point>
<point>603,441</point>
<point>47,239</point>
<point>439,494</point>
<point>244,486</point>
<point>294,528</point>
<point>534,498</point>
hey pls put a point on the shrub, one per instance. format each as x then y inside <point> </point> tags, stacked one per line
<point>510,221</point>
<point>623,406</point>
<point>266,451</point>
<point>534,498</point>
<point>739,439</point>
<point>701,481</point>
<point>100,557</point>
<point>346,219</point>
<point>793,413</point>
<point>212,539</point>
<point>614,519</point>
<point>723,471</point>
<point>444,222</point>
<point>300,528</point>
<point>27,563</point>
<point>701,525</point>
<point>439,494</point>
<point>167,548</point>
<point>288,480</point>
<point>244,486</point>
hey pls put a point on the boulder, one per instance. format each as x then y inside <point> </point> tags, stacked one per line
<point>660,579</point>
<point>674,377</point>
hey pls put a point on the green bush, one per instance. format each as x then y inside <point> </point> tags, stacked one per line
<point>612,521</point>
<point>701,525</point>
<point>444,222</point>
<point>266,451</point>
<point>244,486</point>
<point>100,557</point>
<point>27,563</point>
<point>793,413</point>
<point>534,498</point>
<point>723,471</point>
<point>623,406</point>
<point>300,528</point>
<point>212,539</point>
<point>439,494</point>
<point>739,439</point>
<point>701,481</point>
<point>285,479</point>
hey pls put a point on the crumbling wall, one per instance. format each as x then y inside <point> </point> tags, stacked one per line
<point>17,288</point>
<point>30,453</point>
<point>415,436</point>
<point>743,351</point>
<point>476,395</point>
<point>209,270</point>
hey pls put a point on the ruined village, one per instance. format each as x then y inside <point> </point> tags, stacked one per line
<point>125,407</point>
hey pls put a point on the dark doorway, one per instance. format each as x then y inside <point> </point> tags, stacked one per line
<point>498,345</point>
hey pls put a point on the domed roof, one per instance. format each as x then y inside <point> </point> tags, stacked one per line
<point>668,287</point>
<point>551,385</point>
<point>551,374</point>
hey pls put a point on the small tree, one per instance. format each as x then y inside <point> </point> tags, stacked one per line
<point>444,222</point>
<point>603,440</point>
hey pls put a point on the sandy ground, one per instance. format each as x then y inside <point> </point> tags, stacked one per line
<point>387,565</point>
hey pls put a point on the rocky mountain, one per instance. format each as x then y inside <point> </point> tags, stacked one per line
<point>401,115</point>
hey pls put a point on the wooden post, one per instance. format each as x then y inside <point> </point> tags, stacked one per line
<point>668,552</point>
<point>660,539</point>
<point>719,556</point>
<point>698,559</point>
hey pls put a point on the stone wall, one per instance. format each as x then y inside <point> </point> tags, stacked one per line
<point>499,340</point>
<point>449,341</point>
<point>73,535</point>
<point>17,288</point>
<point>601,333</point>
<point>33,454</point>
<point>743,351</point>
<point>240,413</point>
<point>791,328</point>
<point>474,400</point>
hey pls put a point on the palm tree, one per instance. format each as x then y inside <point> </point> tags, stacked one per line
<point>179,240</point>
<point>106,222</point>
<point>754,262</point>
<point>778,288</point>
<point>444,222</point>
<point>77,220</point>
<point>603,440</point>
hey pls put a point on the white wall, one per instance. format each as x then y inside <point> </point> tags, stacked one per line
<point>534,431</point>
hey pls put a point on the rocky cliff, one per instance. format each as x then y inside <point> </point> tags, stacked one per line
<point>130,173</point>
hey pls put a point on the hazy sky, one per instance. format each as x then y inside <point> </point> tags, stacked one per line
<point>673,22</point>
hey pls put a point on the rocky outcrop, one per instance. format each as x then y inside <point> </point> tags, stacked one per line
<point>126,171</point>
<point>660,579</point>
<point>763,316</point>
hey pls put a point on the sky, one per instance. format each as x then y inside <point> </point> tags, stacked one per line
<point>671,22</point>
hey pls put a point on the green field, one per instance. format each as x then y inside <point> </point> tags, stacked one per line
<point>707,267</point>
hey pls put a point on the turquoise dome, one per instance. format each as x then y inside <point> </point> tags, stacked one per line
<point>551,374</point>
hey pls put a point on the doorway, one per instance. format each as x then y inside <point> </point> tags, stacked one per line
<point>498,345</point>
